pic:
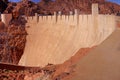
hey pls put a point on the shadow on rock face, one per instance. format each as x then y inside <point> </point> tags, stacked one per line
<point>20,21</point>
<point>2,26</point>
<point>3,6</point>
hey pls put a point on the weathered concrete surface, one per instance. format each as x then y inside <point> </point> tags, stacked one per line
<point>102,63</point>
<point>54,39</point>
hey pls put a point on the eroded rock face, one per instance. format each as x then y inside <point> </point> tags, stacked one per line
<point>3,5</point>
<point>47,7</point>
<point>84,6</point>
<point>24,8</point>
<point>2,26</point>
<point>13,40</point>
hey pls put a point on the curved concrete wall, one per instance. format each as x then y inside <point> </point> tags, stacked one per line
<point>54,39</point>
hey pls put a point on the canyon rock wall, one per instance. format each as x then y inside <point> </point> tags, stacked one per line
<point>12,38</point>
<point>54,39</point>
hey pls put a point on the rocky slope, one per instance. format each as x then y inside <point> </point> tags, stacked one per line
<point>84,6</point>
<point>48,7</point>
<point>13,39</point>
<point>49,72</point>
<point>23,8</point>
<point>3,5</point>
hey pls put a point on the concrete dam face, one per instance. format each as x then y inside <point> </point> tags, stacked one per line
<point>55,39</point>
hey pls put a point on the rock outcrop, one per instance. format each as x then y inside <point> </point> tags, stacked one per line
<point>3,5</point>
<point>13,39</point>
<point>84,6</point>
<point>47,7</point>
